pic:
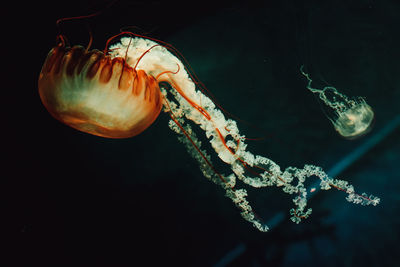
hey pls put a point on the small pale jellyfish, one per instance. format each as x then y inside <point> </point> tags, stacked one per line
<point>352,117</point>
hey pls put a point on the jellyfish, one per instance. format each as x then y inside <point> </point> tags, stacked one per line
<point>120,91</point>
<point>352,118</point>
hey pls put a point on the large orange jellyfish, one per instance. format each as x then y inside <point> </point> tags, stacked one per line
<point>117,94</point>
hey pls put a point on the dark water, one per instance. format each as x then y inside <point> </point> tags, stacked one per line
<point>78,200</point>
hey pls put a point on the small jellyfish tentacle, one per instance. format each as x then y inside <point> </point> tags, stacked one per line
<point>309,87</point>
<point>337,101</point>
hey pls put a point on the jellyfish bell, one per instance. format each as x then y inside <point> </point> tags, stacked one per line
<point>351,117</point>
<point>98,94</point>
<point>355,121</point>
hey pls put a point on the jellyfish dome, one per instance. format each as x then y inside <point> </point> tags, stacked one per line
<point>95,93</point>
<point>355,121</point>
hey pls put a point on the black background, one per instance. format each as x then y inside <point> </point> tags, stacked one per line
<point>71,199</point>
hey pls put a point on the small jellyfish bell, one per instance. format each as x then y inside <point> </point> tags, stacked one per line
<point>352,118</point>
<point>355,121</point>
